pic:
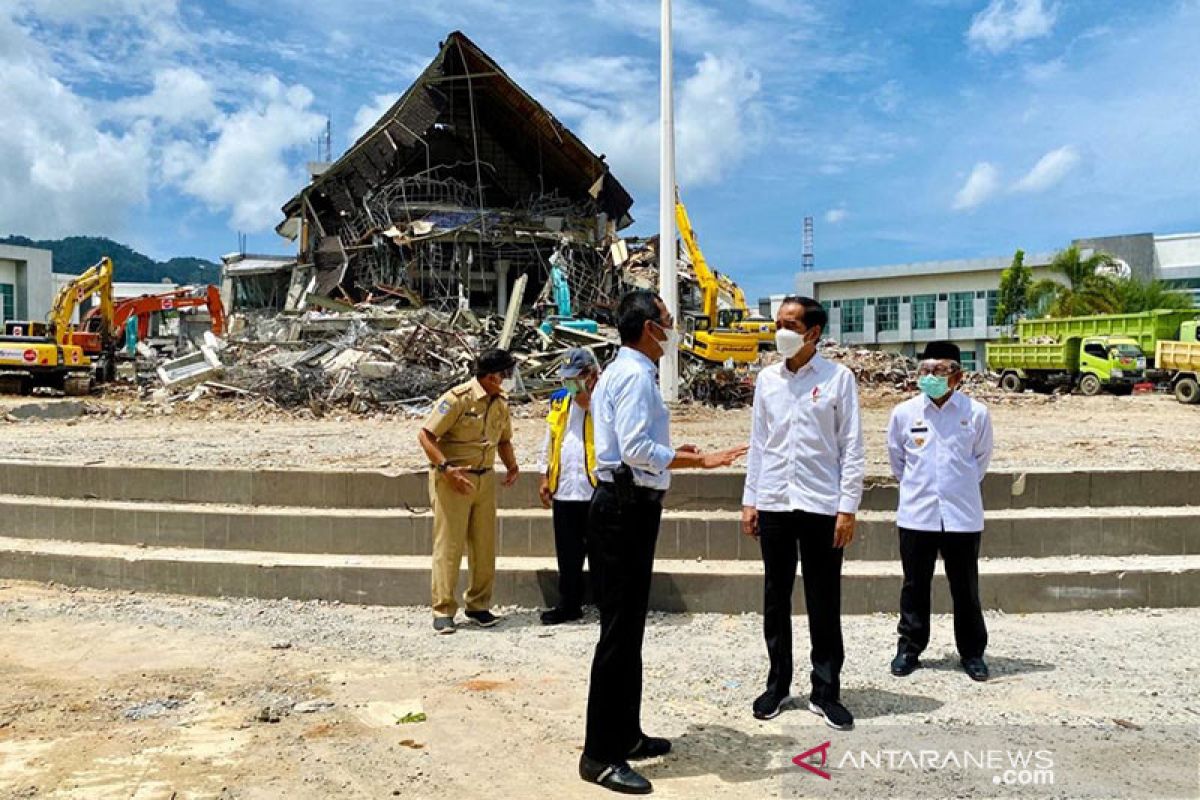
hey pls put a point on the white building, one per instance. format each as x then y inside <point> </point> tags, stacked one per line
<point>26,288</point>
<point>899,307</point>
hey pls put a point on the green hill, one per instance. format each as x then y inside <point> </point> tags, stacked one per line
<point>74,254</point>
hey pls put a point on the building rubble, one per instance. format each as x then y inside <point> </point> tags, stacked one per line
<point>466,217</point>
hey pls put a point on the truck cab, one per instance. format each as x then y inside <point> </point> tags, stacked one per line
<point>1115,362</point>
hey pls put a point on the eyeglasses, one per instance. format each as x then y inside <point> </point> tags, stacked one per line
<point>940,368</point>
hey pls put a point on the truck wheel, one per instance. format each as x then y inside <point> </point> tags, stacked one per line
<point>1011,382</point>
<point>1187,390</point>
<point>1090,385</point>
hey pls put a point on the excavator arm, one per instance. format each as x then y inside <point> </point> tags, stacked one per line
<point>709,286</point>
<point>96,280</point>
<point>147,305</point>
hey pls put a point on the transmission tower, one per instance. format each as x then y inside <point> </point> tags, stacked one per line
<point>806,259</point>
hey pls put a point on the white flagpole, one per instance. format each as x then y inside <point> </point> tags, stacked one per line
<point>668,368</point>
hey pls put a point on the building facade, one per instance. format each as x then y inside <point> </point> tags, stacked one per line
<point>900,307</point>
<point>26,285</point>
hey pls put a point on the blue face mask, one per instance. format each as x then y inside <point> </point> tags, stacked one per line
<point>935,387</point>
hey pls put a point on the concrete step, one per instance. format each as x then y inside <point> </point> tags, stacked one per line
<point>690,490</point>
<point>1010,585</point>
<point>710,535</point>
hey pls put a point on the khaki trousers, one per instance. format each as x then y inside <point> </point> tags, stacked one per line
<point>463,521</point>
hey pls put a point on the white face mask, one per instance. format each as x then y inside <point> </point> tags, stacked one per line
<point>788,342</point>
<point>671,343</point>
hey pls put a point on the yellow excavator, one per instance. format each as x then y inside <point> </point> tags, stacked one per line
<point>703,334</point>
<point>52,353</point>
<point>739,318</point>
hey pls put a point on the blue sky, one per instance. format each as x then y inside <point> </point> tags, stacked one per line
<point>910,131</point>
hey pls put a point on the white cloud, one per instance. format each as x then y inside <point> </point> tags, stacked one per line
<point>60,174</point>
<point>180,95</point>
<point>245,169</point>
<point>982,183</point>
<point>1004,24</point>
<point>367,115</point>
<point>1050,170</point>
<point>836,215</point>
<point>716,122</point>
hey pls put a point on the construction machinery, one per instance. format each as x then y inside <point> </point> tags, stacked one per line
<point>1181,360</point>
<point>1091,353</point>
<point>53,354</point>
<point>703,334</point>
<point>739,317</point>
<point>145,307</point>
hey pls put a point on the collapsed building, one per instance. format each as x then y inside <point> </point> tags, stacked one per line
<point>463,186</point>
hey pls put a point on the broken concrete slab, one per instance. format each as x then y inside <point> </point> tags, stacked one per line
<point>52,410</point>
<point>190,369</point>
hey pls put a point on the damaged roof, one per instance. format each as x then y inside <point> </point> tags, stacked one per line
<point>464,108</point>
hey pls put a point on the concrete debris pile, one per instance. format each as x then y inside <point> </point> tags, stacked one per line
<point>399,361</point>
<point>878,368</point>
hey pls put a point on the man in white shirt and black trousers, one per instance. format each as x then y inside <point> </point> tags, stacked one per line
<point>633,462</point>
<point>939,446</point>
<point>804,480</point>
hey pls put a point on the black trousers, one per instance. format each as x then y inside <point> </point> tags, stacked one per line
<point>625,536</point>
<point>573,546</point>
<point>783,535</point>
<point>960,553</point>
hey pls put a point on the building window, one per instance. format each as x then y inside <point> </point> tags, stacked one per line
<point>968,361</point>
<point>924,312</point>
<point>887,314</point>
<point>993,302</point>
<point>8,301</point>
<point>852,316</point>
<point>962,309</point>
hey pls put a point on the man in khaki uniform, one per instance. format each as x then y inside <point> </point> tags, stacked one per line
<point>468,426</point>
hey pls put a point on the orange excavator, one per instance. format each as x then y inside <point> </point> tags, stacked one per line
<point>146,306</point>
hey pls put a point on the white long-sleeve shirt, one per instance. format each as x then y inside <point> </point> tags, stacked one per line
<point>940,456</point>
<point>631,422</point>
<point>573,483</point>
<point>806,445</point>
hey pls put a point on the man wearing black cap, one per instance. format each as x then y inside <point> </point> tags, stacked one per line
<point>939,446</point>
<point>468,426</point>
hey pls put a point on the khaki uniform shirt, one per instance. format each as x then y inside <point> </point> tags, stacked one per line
<point>469,425</point>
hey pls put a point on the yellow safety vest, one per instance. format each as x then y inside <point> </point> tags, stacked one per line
<point>560,412</point>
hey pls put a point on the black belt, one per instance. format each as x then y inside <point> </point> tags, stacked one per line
<point>471,470</point>
<point>643,493</point>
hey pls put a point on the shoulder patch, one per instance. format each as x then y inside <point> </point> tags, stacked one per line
<point>443,407</point>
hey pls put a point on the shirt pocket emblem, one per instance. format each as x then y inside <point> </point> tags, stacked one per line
<point>816,393</point>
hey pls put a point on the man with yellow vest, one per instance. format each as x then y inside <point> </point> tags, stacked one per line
<point>568,468</point>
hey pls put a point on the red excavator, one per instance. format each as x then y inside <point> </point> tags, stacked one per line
<point>146,306</point>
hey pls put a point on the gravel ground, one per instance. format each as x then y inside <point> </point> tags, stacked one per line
<point>1146,432</point>
<point>129,695</point>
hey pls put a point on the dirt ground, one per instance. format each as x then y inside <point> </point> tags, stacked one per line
<point>115,695</point>
<point>1148,432</point>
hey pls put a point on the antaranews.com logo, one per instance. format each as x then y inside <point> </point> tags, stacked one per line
<point>927,762</point>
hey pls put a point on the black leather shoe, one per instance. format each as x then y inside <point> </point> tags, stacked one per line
<point>768,704</point>
<point>650,747</point>
<point>614,777</point>
<point>904,664</point>
<point>976,668</point>
<point>557,616</point>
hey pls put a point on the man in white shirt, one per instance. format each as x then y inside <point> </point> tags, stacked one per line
<point>568,470</point>
<point>939,446</point>
<point>634,458</point>
<point>804,479</point>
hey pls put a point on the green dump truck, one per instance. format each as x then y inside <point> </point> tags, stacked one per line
<point>1089,353</point>
<point>1181,361</point>
<point>1091,364</point>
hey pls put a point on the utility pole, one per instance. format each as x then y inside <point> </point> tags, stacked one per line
<point>668,288</point>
